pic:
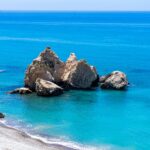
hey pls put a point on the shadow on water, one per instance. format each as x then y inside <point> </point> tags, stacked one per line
<point>115,96</point>
<point>78,97</point>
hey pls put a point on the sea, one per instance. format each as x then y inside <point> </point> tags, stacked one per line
<point>81,120</point>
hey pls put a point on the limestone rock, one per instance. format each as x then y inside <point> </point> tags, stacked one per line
<point>78,74</point>
<point>116,80</point>
<point>21,91</point>
<point>47,66</point>
<point>47,88</point>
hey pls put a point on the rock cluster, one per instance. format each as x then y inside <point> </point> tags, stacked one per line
<point>49,76</point>
<point>74,73</point>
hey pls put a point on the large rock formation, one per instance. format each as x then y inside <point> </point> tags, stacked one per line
<point>116,80</point>
<point>46,66</point>
<point>21,91</point>
<point>49,76</point>
<point>78,74</point>
<point>73,73</point>
<point>47,88</point>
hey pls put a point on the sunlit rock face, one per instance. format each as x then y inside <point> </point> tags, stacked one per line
<point>116,80</point>
<point>78,74</point>
<point>46,66</point>
<point>47,88</point>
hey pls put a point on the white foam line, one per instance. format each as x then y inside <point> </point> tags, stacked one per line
<point>5,38</point>
<point>69,144</point>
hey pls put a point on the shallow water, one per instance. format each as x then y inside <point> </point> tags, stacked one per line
<point>109,41</point>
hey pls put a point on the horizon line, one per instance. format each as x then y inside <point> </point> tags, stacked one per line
<point>75,11</point>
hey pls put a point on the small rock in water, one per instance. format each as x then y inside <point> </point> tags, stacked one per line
<point>47,88</point>
<point>22,90</point>
<point>116,80</point>
<point>2,115</point>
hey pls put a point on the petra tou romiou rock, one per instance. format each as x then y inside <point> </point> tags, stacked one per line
<point>116,80</point>
<point>47,75</point>
<point>74,73</point>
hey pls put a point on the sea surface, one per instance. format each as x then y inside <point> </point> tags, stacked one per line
<point>100,119</point>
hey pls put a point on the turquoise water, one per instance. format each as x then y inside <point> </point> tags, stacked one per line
<point>109,41</point>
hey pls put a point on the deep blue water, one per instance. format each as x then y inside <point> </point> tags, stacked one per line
<point>109,41</point>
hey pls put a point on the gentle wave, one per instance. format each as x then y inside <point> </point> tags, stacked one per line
<point>1,71</point>
<point>5,38</point>
<point>75,23</point>
<point>58,142</point>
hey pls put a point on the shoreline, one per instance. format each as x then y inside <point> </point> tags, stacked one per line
<point>14,139</point>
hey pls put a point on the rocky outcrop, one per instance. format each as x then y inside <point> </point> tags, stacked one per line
<point>46,66</point>
<point>47,88</point>
<point>21,91</point>
<point>2,115</point>
<point>78,74</point>
<point>49,76</point>
<point>70,74</point>
<point>116,80</point>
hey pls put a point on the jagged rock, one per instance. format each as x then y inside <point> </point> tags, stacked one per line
<point>78,74</point>
<point>47,66</point>
<point>73,73</point>
<point>21,91</point>
<point>47,88</point>
<point>2,115</point>
<point>116,80</point>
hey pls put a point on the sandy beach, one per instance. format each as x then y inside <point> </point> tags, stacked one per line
<point>12,139</point>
